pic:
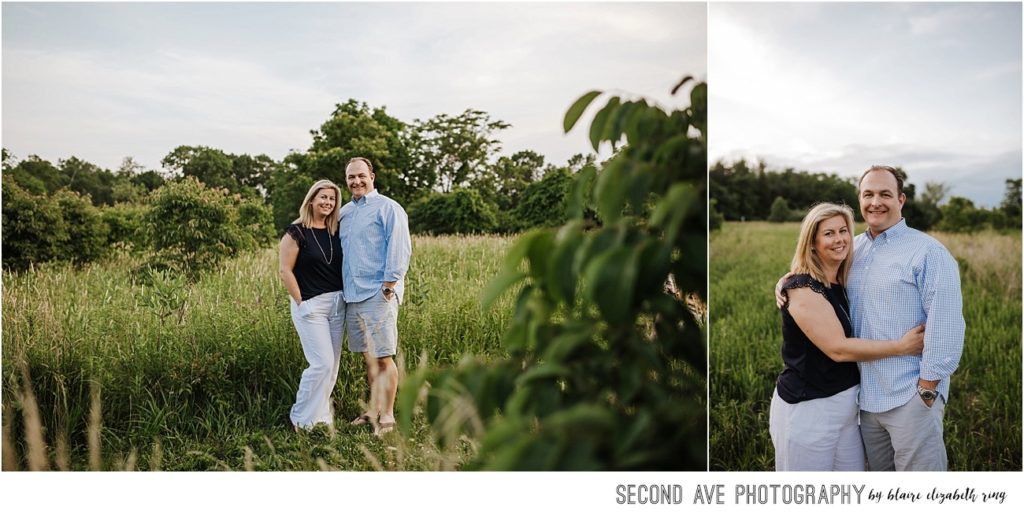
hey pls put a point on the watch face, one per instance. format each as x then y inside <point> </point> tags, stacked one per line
<point>928,395</point>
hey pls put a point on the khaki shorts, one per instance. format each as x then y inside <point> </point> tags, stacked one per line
<point>373,326</point>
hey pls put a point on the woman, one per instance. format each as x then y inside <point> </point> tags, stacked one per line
<point>310,267</point>
<point>813,420</point>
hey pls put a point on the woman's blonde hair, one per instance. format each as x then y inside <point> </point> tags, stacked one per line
<point>306,209</point>
<point>805,260</point>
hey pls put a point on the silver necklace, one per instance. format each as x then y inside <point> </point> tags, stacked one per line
<point>321,247</point>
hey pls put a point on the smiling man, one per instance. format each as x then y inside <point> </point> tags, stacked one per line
<point>375,241</point>
<point>901,278</point>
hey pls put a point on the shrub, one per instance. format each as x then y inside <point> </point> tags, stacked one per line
<point>87,234</point>
<point>192,228</point>
<point>780,210</point>
<point>124,222</point>
<point>463,211</point>
<point>256,221</point>
<point>715,218</point>
<point>34,230</point>
<point>544,203</point>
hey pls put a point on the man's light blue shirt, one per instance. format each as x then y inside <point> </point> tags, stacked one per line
<point>375,241</point>
<point>900,279</point>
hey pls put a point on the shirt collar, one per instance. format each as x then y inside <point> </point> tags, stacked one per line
<point>367,197</point>
<point>894,231</point>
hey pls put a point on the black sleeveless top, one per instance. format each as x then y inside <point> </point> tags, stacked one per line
<point>312,270</point>
<point>808,372</point>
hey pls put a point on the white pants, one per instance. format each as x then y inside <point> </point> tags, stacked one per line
<point>320,322</point>
<point>817,435</point>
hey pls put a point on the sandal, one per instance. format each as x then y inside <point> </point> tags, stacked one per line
<point>384,428</point>
<point>361,420</point>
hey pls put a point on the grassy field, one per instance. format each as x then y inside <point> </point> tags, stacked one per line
<point>176,376</point>
<point>983,418</point>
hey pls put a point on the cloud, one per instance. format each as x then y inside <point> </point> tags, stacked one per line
<point>178,75</point>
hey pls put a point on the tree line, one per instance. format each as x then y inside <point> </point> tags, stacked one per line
<point>740,191</point>
<point>445,170</point>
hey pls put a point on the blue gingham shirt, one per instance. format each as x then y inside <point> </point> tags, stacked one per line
<point>900,279</point>
<point>375,241</point>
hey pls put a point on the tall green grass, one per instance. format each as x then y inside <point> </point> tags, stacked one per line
<point>983,418</point>
<point>201,376</point>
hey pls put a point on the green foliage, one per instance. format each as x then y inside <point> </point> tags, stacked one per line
<point>715,218</point>
<point>606,361</point>
<point>256,223</point>
<point>745,193</point>
<point>544,203</point>
<point>87,179</point>
<point>455,151</point>
<point>87,234</point>
<point>462,211</point>
<point>1011,205</point>
<point>780,210</point>
<point>33,227</point>
<point>103,187</point>
<point>193,228</point>
<point>208,165</point>
<point>356,130</point>
<point>504,182</point>
<point>124,223</point>
<point>35,175</point>
<point>960,215</point>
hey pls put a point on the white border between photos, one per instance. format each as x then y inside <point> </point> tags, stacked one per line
<point>472,492</point>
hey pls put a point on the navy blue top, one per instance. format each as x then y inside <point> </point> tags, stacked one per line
<point>808,372</point>
<point>312,271</point>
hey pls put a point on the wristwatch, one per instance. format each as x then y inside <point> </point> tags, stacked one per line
<point>927,394</point>
<point>388,290</point>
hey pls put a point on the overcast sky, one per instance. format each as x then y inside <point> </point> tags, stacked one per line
<point>105,81</point>
<point>934,88</point>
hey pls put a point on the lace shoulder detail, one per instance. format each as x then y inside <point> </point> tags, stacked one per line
<point>297,234</point>
<point>804,280</point>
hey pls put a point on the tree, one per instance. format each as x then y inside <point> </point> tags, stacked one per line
<point>928,204</point>
<point>462,211</point>
<point>503,182</point>
<point>87,233</point>
<point>356,130</point>
<point>210,166</point>
<point>88,179</point>
<point>1011,205</point>
<point>960,215</point>
<point>33,227</point>
<point>37,176</point>
<point>544,203</point>
<point>455,150</point>
<point>779,211</point>
<point>193,228</point>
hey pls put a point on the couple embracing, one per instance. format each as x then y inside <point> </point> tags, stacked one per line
<point>344,268</point>
<point>872,329</point>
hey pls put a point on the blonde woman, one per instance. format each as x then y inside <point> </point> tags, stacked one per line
<point>310,267</point>
<point>813,419</point>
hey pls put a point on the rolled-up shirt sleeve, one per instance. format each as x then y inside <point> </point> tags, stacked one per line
<point>943,304</point>
<point>399,243</point>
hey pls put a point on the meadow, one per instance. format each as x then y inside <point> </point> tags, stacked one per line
<point>983,417</point>
<point>102,370</point>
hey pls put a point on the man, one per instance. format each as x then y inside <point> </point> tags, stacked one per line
<point>901,278</point>
<point>375,241</point>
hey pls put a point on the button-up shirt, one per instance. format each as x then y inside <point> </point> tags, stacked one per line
<point>902,278</point>
<point>375,241</point>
